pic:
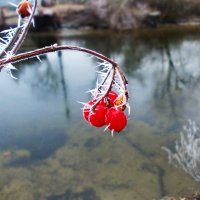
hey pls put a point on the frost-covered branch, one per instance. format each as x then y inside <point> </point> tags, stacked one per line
<point>14,37</point>
<point>27,25</point>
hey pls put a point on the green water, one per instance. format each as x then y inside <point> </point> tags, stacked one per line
<point>47,150</point>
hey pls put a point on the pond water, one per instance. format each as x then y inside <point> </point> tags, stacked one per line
<point>48,151</point>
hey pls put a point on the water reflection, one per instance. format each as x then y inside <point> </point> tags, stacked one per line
<point>64,86</point>
<point>46,80</point>
<point>55,150</point>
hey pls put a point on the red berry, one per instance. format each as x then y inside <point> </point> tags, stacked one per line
<point>103,103</point>
<point>24,8</point>
<point>110,98</point>
<point>97,118</point>
<point>86,109</point>
<point>116,119</point>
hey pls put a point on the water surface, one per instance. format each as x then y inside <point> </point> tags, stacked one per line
<point>47,150</point>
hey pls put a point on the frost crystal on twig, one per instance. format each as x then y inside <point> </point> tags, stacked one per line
<point>109,77</point>
<point>187,150</point>
<point>6,39</point>
<point>14,37</point>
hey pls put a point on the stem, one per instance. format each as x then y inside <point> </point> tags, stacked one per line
<point>25,31</point>
<point>106,93</point>
<point>53,48</point>
<point>104,80</point>
<point>124,81</point>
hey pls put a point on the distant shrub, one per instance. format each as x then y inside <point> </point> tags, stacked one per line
<point>126,14</point>
<point>119,14</point>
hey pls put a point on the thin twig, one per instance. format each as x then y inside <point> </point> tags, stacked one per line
<point>53,48</point>
<point>104,80</point>
<point>124,81</point>
<point>107,91</point>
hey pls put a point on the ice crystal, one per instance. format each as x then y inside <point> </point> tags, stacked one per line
<point>108,78</point>
<point>11,38</point>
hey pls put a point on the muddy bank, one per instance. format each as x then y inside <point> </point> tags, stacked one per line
<point>88,15</point>
<point>106,15</point>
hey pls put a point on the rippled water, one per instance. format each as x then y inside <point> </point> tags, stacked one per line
<point>47,150</point>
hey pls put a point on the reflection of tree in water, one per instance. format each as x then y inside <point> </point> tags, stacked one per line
<point>173,79</point>
<point>109,44</point>
<point>35,40</point>
<point>120,47</point>
<point>45,79</point>
<point>176,77</point>
<point>64,85</point>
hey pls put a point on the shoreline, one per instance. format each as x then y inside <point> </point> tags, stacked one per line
<point>77,17</point>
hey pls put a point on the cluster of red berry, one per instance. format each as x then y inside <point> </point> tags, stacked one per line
<point>109,112</point>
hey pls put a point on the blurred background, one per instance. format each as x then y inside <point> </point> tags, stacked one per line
<point>108,14</point>
<point>49,152</point>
